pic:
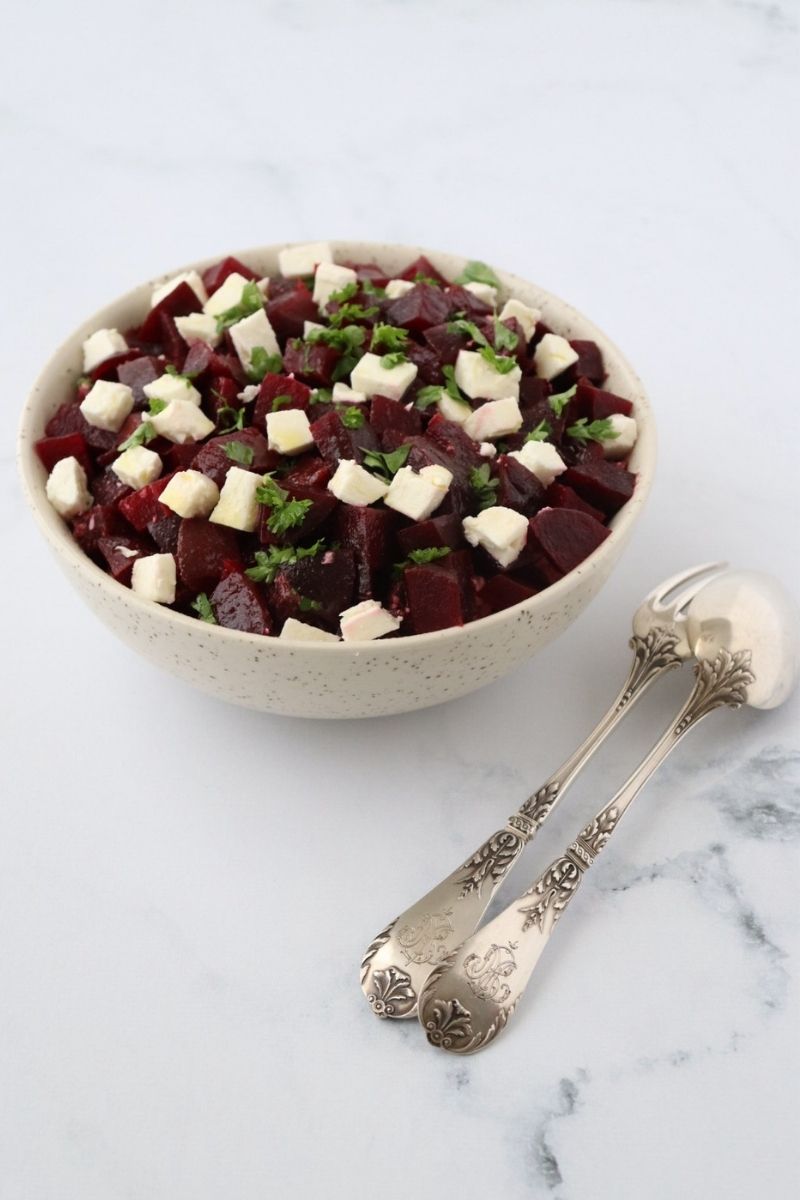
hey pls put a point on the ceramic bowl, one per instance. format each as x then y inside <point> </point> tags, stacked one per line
<point>332,680</point>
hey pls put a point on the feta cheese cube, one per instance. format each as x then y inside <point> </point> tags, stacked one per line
<point>190,494</point>
<point>478,378</point>
<point>373,379</point>
<point>398,287</point>
<point>330,278</point>
<point>453,410</point>
<point>172,387</point>
<point>310,326</point>
<point>418,494</point>
<point>301,260</point>
<point>289,431</point>
<point>199,327</point>
<point>495,419</point>
<point>251,332</point>
<point>107,405</point>
<point>626,432</point>
<point>342,394</point>
<point>227,295</point>
<point>352,484</point>
<point>487,450</point>
<point>67,488</point>
<point>542,460</point>
<point>238,507</point>
<point>552,356</point>
<point>154,578</point>
<point>137,466</point>
<point>102,344</point>
<point>366,621</point>
<point>525,316</point>
<point>501,531</point>
<point>191,277</point>
<point>484,291</point>
<point>182,421</point>
<point>301,632</point>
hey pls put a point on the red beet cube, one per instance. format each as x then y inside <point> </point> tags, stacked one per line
<point>424,268</point>
<point>273,386</point>
<point>177,457</point>
<point>143,507</point>
<point>502,592</point>
<point>288,311</point>
<point>590,361</point>
<point>445,344</point>
<point>455,443</point>
<point>214,277</point>
<point>335,441</point>
<point>565,536</point>
<point>467,302</point>
<point>70,445</point>
<point>202,362</point>
<point>164,532</point>
<point>519,488</point>
<point>369,533</point>
<point>238,603</point>
<point>102,520</point>
<point>181,301</point>
<point>429,370</point>
<point>138,372</point>
<point>214,461</point>
<point>391,414</point>
<point>309,471</point>
<point>369,271</point>
<point>108,488</point>
<point>322,505</point>
<point>203,553</point>
<point>327,579</point>
<point>559,495</point>
<point>66,419</point>
<point>446,530</point>
<point>596,404</point>
<point>313,362</point>
<point>602,484</point>
<point>120,565</point>
<point>433,597</point>
<point>420,308</point>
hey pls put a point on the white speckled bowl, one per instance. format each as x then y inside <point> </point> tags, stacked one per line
<point>328,680</point>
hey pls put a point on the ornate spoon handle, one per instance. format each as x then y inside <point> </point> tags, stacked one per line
<point>471,994</point>
<point>398,962</point>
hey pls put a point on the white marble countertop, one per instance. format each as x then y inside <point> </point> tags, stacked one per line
<point>185,888</point>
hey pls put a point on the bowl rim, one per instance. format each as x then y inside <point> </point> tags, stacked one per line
<point>33,475</point>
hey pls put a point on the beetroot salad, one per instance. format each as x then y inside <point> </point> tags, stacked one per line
<point>335,453</point>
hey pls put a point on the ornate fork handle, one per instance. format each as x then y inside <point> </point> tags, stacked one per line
<point>470,996</point>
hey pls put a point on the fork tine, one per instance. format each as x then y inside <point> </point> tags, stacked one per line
<point>681,602</point>
<point>662,590</point>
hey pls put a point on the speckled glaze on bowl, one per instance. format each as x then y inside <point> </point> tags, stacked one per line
<point>328,680</point>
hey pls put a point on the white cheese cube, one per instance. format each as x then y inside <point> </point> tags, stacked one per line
<point>301,260</point>
<point>487,450</point>
<point>182,421</point>
<point>301,632</point>
<point>238,507</point>
<point>289,431</point>
<point>67,488</point>
<point>155,578</point>
<point>248,394</point>
<point>525,316</point>
<point>398,287</point>
<point>191,277</point>
<point>478,378</point>
<point>227,295</point>
<point>352,484</point>
<point>373,379</point>
<point>626,433</point>
<point>190,494</point>
<point>251,332</point>
<point>495,419</point>
<point>310,326</point>
<point>172,387</point>
<point>107,405</point>
<point>418,494</point>
<point>366,621</point>
<point>484,291</point>
<point>342,394</point>
<point>542,460</point>
<point>501,531</point>
<point>552,356</point>
<point>330,278</point>
<point>102,344</point>
<point>199,327</point>
<point>453,410</point>
<point>137,466</point>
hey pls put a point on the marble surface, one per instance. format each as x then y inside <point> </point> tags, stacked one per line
<point>186,889</point>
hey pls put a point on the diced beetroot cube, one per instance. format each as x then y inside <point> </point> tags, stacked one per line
<point>164,532</point>
<point>467,302</point>
<point>70,445</point>
<point>310,471</point>
<point>574,452</point>
<point>328,578</point>
<point>108,488</point>
<point>313,362</point>
<point>65,420</point>
<point>223,392</point>
<point>238,603</point>
<point>503,592</point>
<point>204,552</point>
<point>288,311</point>
<point>120,566</point>
<point>519,488</point>
<point>215,462</point>
<point>559,495</point>
<point>420,308</point>
<point>102,520</point>
<point>602,484</point>
<point>279,385</point>
<point>590,361</point>
<point>335,441</point>
<point>369,533</point>
<point>445,344</point>
<point>396,600</point>
<point>177,457</point>
<point>369,271</point>
<point>533,392</point>
<point>214,277</point>
<point>181,301</point>
<point>458,445</point>
<point>142,507</point>
<point>426,360</point>
<point>136,373</point>
<point>436,531</point>
<point>595,404</point>
<point>391,414</point>
<point>322,505</point>
<point>424,268</point>
<point>202,362</point>
<point>109,368</point>
<point>434,598</point>
<point>566,536</point>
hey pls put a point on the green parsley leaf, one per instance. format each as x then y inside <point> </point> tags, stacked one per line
<point>321,396</point>
<point>344,293</point>
<point>370,289</point>
<point>281,401</point>
<point>597,431</point>
<point>431,395</point>
<point>202,606</point>
<point>238,452</point>
<point>483,486</point>
<point>269,561</point>
<point>428,396</point>
<point>504,338</point>
<point>560,401</point>
<point>251,301</point>
<point>352,312</point>
<point>351,416</point>
<point>388,337</point>
<point>540,434</point>
<point>156,406</point>
<point>388,361</point>
<point>478,272</point>
<point>307,605</point>
<point>429,554</point>
<point>349,340</point>
<point>428,279</point>
<point>231,419</point>
<point>171,369</point>
<point>143,434</point>
<point>502,365</point>
<point>452,388</point>
<point>462,325</point>
<point>262,363</point>
<point>286,513</point>
<point>386,465</point>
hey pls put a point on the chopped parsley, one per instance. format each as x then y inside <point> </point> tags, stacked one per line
<point>281,401</point>
<point>344,293</point>
<point>202,606</point>
<point>483,486</point>
<point>504,338</point>
<point>427,396</point>
<point>307,605</point>
<point>156,406</point>
<point>386,465</point>
<point>263,363</point>
<point>321,396</point>
<point>351,416</point>
<point>349,341</point>
<point>502,365</point>
<point>232,419</point>
<point>431,395</point>
<point>427,279</point>
<point>388,337</point>
<point>478,272</point>
<point>596,431</point>
<point>186,376</point>
<point>143,434</point>
<point>239,453</point>
<point>389,361</point>
<point>370,289</point>
<point>269,561</point>
<point>352,312</point>
<point>285,512</point>
<point>540,434</point>
<point>560,401</point>
<point>251,301</point>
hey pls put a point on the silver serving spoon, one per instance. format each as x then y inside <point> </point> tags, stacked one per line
<point>399,960</point>
<point>743,630</point>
